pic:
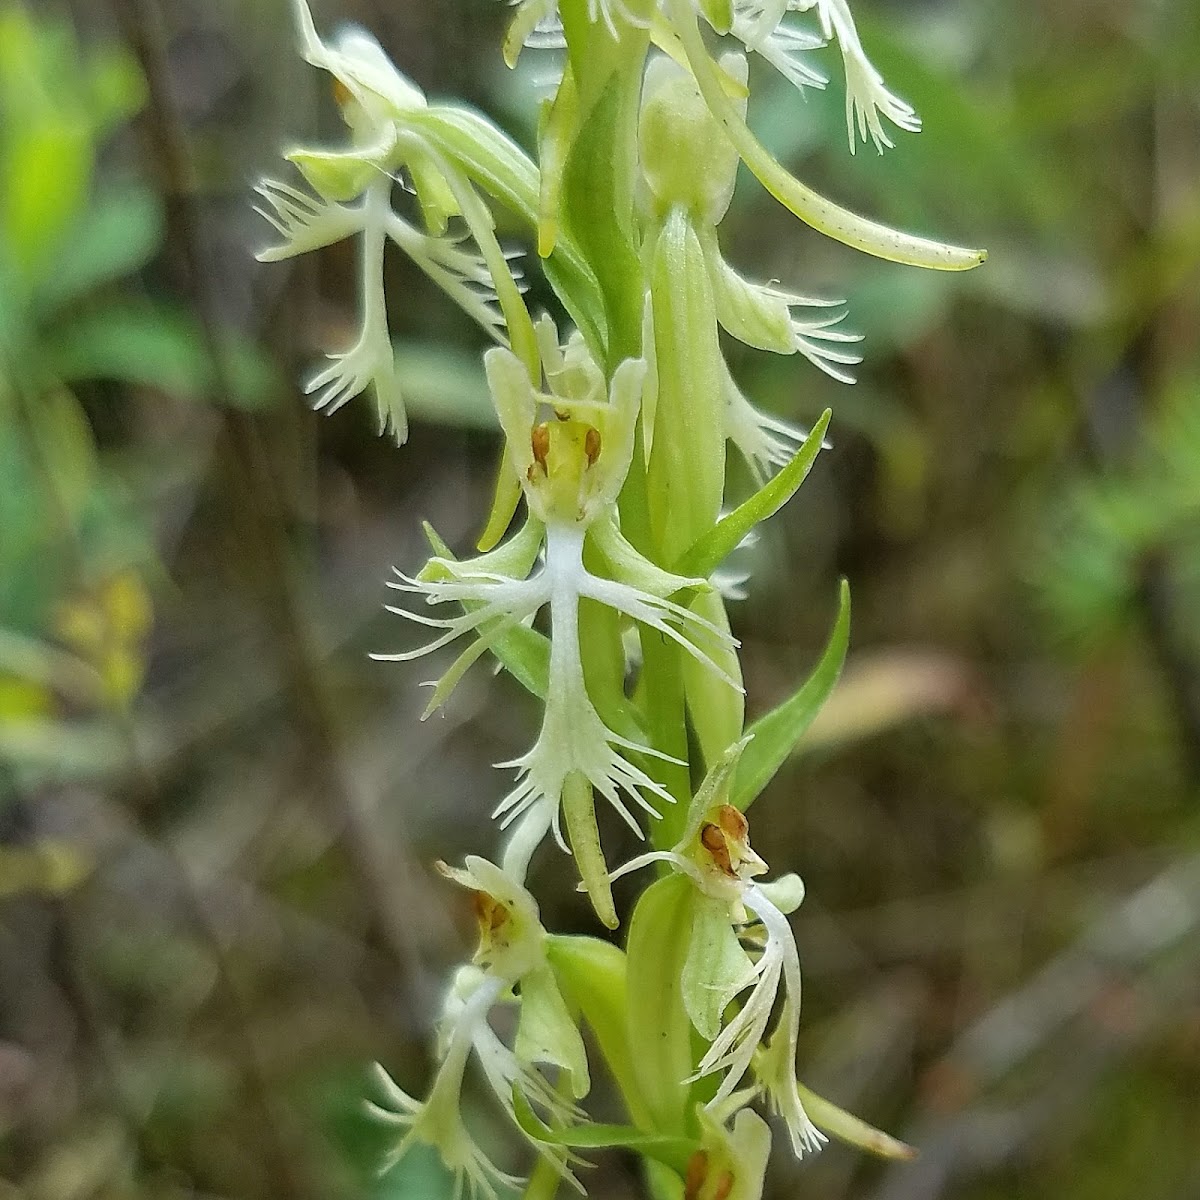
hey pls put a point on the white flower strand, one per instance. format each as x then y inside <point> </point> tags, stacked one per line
<point>867,96</point>
<point>437,1121</point>
<point>304,222</point>
<point>765,442</point>
<point>370,361</point>
<point>783,47</point>
<point>573,736</point>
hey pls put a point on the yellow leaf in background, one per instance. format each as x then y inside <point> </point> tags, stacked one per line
<point>81,626</point>
<point>108,628</point>
<point>886,688</point>
<point>127,604</point>
<point>48,868</point>
<point>23,698</point>
<point>123,671</point>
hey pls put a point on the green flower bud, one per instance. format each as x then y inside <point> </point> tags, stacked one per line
<point>686,158</point>
<point>686,477</point>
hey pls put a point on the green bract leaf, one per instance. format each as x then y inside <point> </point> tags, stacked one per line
<point>851,1129</point>
<point>709,551</point>
<point>659,1029</point>
<point>776,734</point>
<point>592,976</point>
<point>674,1152</point>
<point>717,709</point>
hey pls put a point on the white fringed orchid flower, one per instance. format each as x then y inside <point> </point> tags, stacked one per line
<point>571,464</point>
<point>607,603</point>
<point>731,908</point>
<point>762,26</point>
<point>511,954</point>
<point>354,198</point>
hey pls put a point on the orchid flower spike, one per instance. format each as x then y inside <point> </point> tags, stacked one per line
<point>511,953</point>
<point>731,908</point>
<point>571,464</point>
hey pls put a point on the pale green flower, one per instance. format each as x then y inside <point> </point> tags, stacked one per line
<point>714,852</point>
<point>511,953</point>
<point>571,466</point>
<point>354,198</point>
<point>732,1162</point>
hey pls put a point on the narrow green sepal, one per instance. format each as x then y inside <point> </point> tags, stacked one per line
<point>674,1152</point>
<point>632,567</point>
<point>593,977</point>
<point>339,175</point>
<point>546,1033</point>
<point>434,194</point>
<point>776,734</point>
<point>505,498</point>
<point>715,789</point>
<point>579,809</point>
<point>716,968</point>
<point>713,547</point>
<point>852,1130</point>
<point>556,135</point>
<point>521,26</point>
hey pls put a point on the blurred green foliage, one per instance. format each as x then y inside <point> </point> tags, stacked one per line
<point>74,607</point>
